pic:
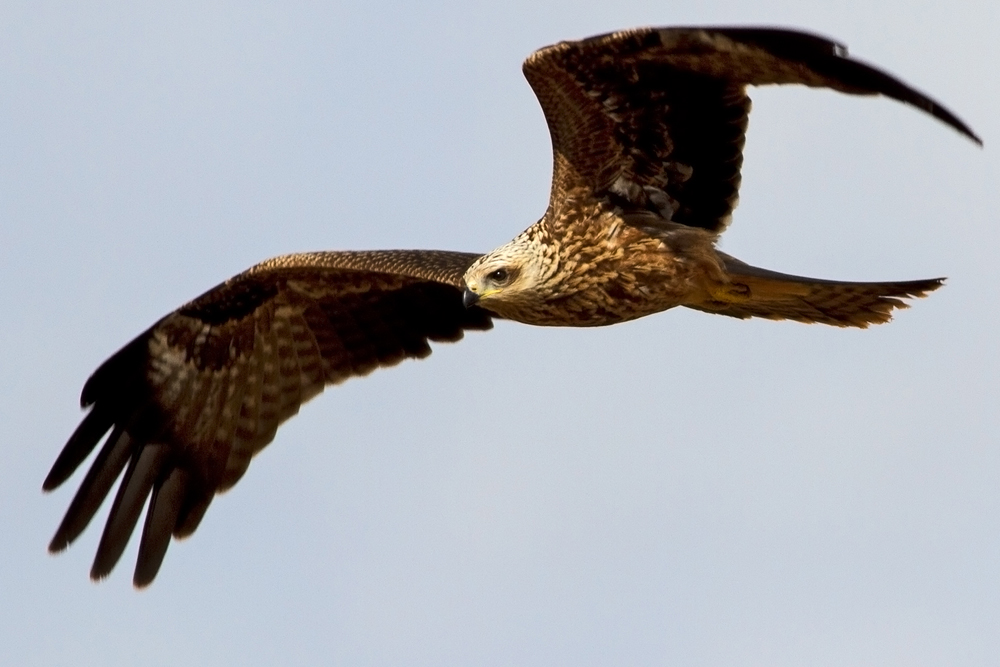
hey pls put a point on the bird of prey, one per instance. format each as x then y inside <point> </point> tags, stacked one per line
<point>647,130</point>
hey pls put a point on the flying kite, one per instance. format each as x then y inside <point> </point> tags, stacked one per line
<point>647,132</point>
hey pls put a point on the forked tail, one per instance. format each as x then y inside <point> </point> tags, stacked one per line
<point>755,292</point>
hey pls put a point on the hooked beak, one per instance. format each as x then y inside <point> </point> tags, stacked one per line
<point>469,298</point>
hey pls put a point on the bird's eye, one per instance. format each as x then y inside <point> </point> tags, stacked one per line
<point>499,276</point>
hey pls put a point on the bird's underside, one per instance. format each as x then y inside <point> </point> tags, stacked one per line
<point>647,131</point>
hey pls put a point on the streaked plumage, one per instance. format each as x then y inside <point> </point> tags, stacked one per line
<point>647,129</point>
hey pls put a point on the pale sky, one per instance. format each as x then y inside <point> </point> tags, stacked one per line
<point>685,489</point>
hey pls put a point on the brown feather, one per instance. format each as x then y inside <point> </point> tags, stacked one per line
<point>756,292</point>
<point>165,505</point>
<point>145,466</point>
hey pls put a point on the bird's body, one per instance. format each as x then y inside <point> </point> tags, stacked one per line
<point>647,130</point>
<point>613,269</point>
<point>622,267</point>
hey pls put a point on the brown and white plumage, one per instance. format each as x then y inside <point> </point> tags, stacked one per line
<point>647,129</point>
<point>192,399</point>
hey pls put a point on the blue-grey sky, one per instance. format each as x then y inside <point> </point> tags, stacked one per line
<point>685,489</point>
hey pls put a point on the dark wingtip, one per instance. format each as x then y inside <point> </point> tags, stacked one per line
<point>78,447</point>
<point>113,389</point>
<point>94,488</point>
<point>58,544</point>
<point>860,73</point>
<point>831,58</point>
<point>161,519</point>
<point>192,512</point>
<point>142,580</point>
<point>949,118</point>
<point>144,468</point>
<point>119,374</point>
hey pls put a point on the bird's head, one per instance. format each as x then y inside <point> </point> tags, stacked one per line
<point>508,279</point>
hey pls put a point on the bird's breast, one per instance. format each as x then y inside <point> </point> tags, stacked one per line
<point>608,284</point>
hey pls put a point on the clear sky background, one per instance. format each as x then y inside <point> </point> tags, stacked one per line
<point>685,489</point>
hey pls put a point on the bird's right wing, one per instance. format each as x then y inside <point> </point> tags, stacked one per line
<point>192,399</point>
<point>654,118</point>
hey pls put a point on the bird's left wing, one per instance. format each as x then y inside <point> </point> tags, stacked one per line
<point>192,399</point>
<point>654,118</point>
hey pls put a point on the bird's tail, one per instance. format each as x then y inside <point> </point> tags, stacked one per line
<point>755,292</point>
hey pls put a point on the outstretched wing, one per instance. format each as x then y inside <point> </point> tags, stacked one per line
<point>654,119</point>
<point>192,399</point>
